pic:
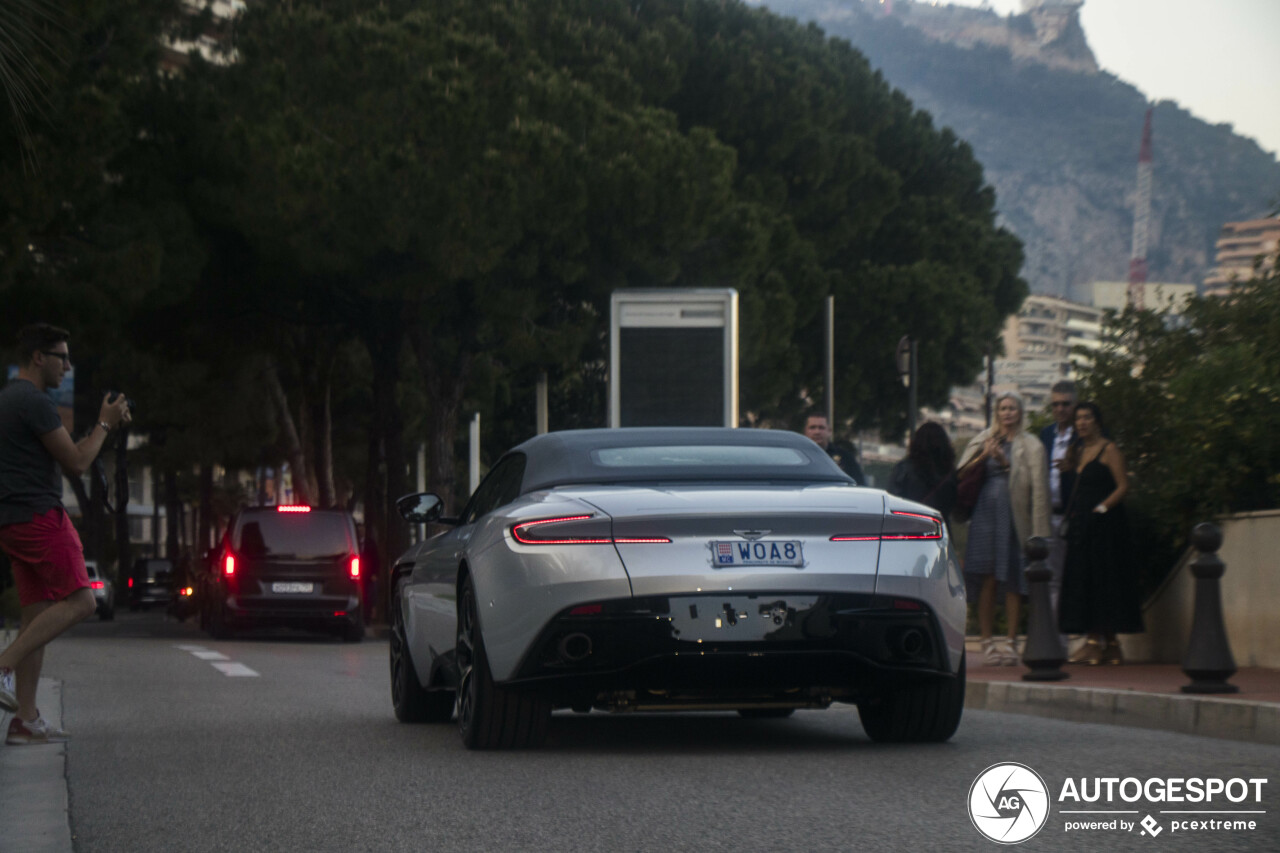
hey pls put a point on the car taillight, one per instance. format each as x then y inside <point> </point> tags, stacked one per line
<point>293,508</point>
<point>130,583</point>
<point>98,585</point>
<point>574,530</point>
<point>899,525</point>
<point>354,567</point>
<point>229,565</point>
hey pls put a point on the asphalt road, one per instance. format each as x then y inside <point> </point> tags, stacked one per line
<point>284,741</point>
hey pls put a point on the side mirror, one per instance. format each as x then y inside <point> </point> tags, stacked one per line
<point>420,508</point>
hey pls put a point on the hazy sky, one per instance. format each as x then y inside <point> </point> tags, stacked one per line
<point>1219,59</point>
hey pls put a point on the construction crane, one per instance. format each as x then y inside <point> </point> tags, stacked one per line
<point>1141,218</point>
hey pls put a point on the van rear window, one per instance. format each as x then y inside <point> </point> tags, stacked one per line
<point>301,536</point>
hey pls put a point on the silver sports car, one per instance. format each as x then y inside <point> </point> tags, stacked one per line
<point>676,569</point>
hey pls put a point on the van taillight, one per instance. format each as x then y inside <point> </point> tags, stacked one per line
<point>355,567</point>
<point>229,565</point>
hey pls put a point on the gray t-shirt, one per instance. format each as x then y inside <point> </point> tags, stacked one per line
<point>30,482</point>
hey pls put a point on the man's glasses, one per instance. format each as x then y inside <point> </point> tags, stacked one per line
<point>66,357</point>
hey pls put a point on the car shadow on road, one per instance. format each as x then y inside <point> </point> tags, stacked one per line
<point>709,733</point>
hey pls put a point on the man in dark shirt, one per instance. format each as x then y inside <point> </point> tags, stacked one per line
<point>817,429</point>
<point>35,532</point>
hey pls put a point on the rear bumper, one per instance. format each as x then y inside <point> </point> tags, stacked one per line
<point>712,648</point>
<point>293,610</point>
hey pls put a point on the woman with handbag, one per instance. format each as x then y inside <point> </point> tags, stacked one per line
<point>1100,596</point>
<point>927,474</point>
<point>1003,472</point>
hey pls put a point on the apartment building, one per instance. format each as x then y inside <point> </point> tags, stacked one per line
<point>1239,245</point>
<point>1159,295</point>
<point>1040,344</point>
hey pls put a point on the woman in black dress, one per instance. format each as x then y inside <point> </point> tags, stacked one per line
<point>1099,587</point>
<point>928,473</point>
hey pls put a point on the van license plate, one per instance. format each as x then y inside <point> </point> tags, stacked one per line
<point>292,587</point>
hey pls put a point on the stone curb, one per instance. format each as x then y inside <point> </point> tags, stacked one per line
<point>34,811</point>
<point>1192,715</point>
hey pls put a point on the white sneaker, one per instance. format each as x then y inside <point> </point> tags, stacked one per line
<point>1009,652</point>
<point>23,733</point>
<point>991,652</point>
<point>8,696</point>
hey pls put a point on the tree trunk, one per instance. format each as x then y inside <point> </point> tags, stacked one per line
<point>289,431</point>
<point>173,515</point>
<point>204,524</point>
<point>124,553</point>
<point>322,446</point>
<point>388,478</point>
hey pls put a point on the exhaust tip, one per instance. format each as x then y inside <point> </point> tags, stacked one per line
<point>911,643</point>
<point>574,648</point>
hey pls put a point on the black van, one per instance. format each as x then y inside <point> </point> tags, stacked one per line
<point>292,566</point>
<point>150,582</point>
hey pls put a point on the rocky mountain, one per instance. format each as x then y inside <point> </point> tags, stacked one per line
<point>1059,138</point>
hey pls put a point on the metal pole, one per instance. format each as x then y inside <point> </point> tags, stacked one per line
<point>475,452</point>
<point>829,382</point>
<point>542,404</point>
<point>422,484</point>
<point>912,405</point>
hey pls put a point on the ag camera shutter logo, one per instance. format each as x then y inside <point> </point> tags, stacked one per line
<point>1008,803</point>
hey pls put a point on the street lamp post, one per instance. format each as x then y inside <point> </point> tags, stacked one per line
<point>908,369</point>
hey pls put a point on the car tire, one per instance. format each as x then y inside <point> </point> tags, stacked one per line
<point>765,713</point>
<point>219,627</point>
<point>412,702</point>
<point>489,716</point>
<point>353,631</point>
<point>918,713</point>
<point>107,615</point>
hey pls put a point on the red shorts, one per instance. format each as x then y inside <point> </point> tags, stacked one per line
<point>48,559</point>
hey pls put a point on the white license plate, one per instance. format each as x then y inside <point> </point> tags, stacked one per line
<point>292,586</point>
<point>784,552</point>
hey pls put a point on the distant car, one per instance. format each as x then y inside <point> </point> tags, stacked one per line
<point>150,583</point>
<point>290,566</point>
<point>665,569</point>
<point>104,591</point>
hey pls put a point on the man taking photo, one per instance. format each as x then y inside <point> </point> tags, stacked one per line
<point>35,531</point>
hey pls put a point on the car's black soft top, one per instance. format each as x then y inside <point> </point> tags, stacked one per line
<point>575,457</point>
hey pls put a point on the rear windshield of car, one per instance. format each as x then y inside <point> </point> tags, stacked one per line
<point>697,455</point>
<point>302,536</point>
<point>157,570</point>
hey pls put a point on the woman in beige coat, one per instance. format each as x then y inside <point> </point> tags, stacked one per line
<point>1012,507</point>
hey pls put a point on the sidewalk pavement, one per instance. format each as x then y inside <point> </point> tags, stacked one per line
<point>1144,695</point>
<point>34,814</point>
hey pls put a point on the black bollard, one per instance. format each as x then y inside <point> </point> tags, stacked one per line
<point>1208,662</point>
<point>1044,654</point>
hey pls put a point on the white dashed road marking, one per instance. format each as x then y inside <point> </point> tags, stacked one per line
<point>235,669</point>
<point>229,668</point>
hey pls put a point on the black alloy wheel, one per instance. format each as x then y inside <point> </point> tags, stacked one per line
<point>489,716</point>
<point>412,702</point>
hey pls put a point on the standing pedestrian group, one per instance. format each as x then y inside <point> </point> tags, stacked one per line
<point>1068,487</point>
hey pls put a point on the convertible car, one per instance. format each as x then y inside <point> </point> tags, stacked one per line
<point>676,569</point>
